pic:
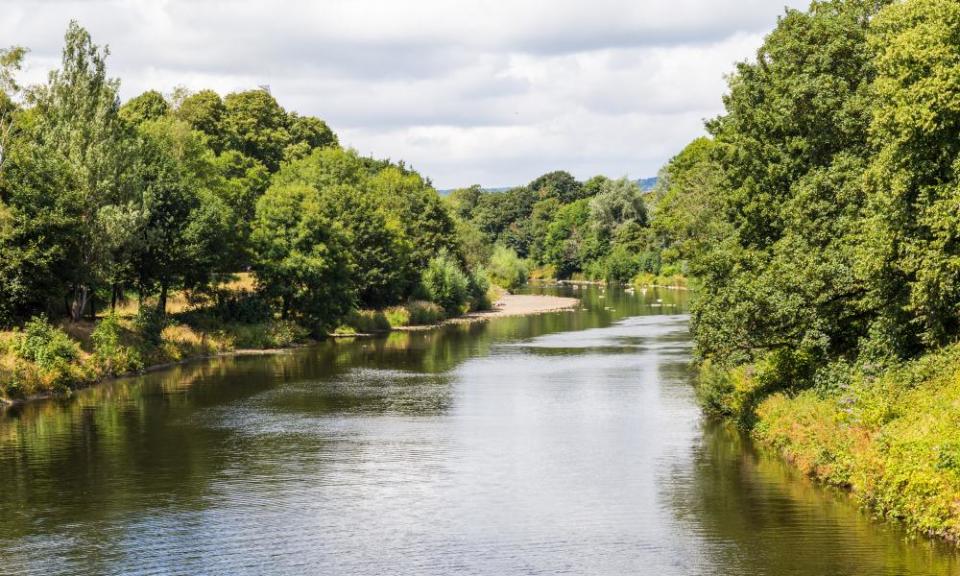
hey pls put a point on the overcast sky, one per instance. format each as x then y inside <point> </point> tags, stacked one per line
<point>493,92</point>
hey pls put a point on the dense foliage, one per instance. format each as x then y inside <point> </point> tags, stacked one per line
<point>822,221</point>
<point>596,230</point>
<point>173,194</point>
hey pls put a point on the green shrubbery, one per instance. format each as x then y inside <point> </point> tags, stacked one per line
<point>506,269</point>
<point>46,358</point>
<point>265,335</point>
<point>110,353</point>
<point>894,439</point>
<point>149,324</point>
<point>45,345</point>
<point>445,284</point>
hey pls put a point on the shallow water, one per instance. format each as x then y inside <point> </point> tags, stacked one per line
<point>568,443</point>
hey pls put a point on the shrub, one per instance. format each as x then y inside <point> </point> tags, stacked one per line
<point>149,323</point>
<point>111,356</point>
<point>274,334</point>
<point>621,266</point>
<point>46,360</point>
<point>478,287</point>
<point>506,269</point>
<point>367,322</point>
<point>421,313</point>
<point>397,316</point>
<point>45,345</point>
<point>445,284</point>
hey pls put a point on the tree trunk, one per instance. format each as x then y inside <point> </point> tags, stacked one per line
<point>80,296</point>
<point>113,298</point>
<point>162,303</point>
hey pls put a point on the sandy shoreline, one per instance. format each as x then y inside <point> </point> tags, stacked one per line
<point>509,305</point>
<point>526,305</point>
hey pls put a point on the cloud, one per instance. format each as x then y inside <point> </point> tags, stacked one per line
<point>492,92</point>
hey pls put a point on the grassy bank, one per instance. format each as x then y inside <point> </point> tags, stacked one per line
<point>44,358</point>
<point>891,436</point>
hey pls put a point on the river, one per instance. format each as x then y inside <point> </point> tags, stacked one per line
<point>568,443</point>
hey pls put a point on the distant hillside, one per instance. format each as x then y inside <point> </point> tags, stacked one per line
<point>647,184</point>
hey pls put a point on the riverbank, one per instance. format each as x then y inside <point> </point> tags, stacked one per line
<point>892,439</point>
<point>517,305</point>
<point>30,375</point>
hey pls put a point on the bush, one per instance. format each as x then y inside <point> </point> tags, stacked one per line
<point>46,360</point>
<point>445,284</point>
<point>111,356</point>
<point>621,266</point>
<point>275,334</point>
<point>149,323</point>
<point>506,269</point>
<point>479,287</point>
<point>424,313</point>
<point>45,345</point>
<point>397,316</point>
<point>367,322</point>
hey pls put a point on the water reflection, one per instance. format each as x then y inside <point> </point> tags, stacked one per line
<point>564,443</point>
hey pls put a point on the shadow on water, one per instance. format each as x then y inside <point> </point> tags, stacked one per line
<point>563,443</point>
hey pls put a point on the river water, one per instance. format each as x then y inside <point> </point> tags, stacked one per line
<point>568,443</point>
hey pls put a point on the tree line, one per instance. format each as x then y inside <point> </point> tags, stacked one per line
<point>822,220</point>
<point>101,200</point>
<point>821,215</point>
<point>600,229</point>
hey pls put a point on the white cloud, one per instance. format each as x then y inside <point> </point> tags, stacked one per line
<point>472,91</point>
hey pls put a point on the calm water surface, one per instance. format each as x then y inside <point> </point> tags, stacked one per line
<point>568,443</point>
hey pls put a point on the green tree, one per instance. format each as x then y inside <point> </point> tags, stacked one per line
<point>256,125</point>
<point>560,185</point>
<point>416,208</point>
<point>688,211</point>
<point>186,229</point>
<point>151,105</point>
<point>80,137</point>
<point>204,111</point>
<point>912,252</point>
<point>302,257</point>
<point>620,201</point>
<point>381,254</point>
<point>307,133</point>
<point>11,60</point>
<point>567,236</point>
<point>792,148</point>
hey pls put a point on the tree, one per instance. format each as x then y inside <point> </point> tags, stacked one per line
<point>560,185</point>
<point>620,201</point>
<point>151,105</point>
<point>204,111</point>
<point>416,208</point>
<point>792,149</point>
<point>567,237</point>
<point>81,136</point>
<point>380,253</point>
<point>688,212</point>
<point>503,217</point>
<point>307,133</point>
<point>256,125</point>
<point>462,202</point>
<point>302,260</point>
<point>186,229</point>
<point>11,60</point>
<point>912,252</point>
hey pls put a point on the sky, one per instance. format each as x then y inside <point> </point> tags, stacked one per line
<point>466,91</point>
